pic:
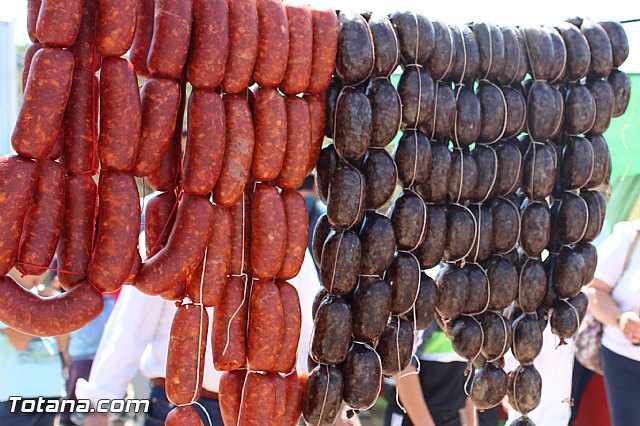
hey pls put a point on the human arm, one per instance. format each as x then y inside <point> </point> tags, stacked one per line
<point>468,414</point>
<point>412,398</point>
<point>605,310</point>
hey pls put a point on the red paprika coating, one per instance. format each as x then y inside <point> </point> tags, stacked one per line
<point>243,45</point>
<point>259,401</point>
<point>84,49</point>
<point>209,43</point>
<point>160,102</point>
<point>81,123</point>
<point>179,258</point>
<point>297,218</point>
<point>116,26</point>
<point>18,182</point>
<point>59,22</point>
<point>295,390</point>
<point>58,145</point>
<point>298,71</point>
<point>135,267</point>
<point>238,151</point>
<point>325,47</point>
<point>266,326</point>
<point>185,359</point>
<point>270,121</point>
<point>205,145</point>
<point>230,395</point>
<point>33,10</point>
<point>281,398</point>
<point>142,38</point>
<point>44,100</point>
<point>171,36</point>
<point>43,223</point>
<point>292,324</point>
<point>318,115</point>
<point>268,232</point>
<point>159,217</point>
<point>184,415</point>
<point>296,157</point>
<point>176,293</point>
<point>76,238</point>
<point>120,115</point>
<point>273,47</point>
<point>230,353</point>
<point>118,228</point>
<point>217,257</point>
<point>240,261</point>
<point>28,57</point>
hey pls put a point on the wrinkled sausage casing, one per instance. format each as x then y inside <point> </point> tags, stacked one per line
<point>116,26</point>
<point>209,43</point>
<point>270,121</point>
<point>243,45</point>
<point>268,232</point>
<point>296,158</point>
<point>171,36</point>
<point>228,341</point>
<point>325,46</point>
<point>300,55</point>
<point>297,219</point>
<point>59,22</point>
<point>266,326</point>
<point>273,48</point>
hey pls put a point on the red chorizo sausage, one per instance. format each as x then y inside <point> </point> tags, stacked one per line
<point>171,35</point>
<point>185,415</point>
<point>243,45</point>
<point>78,221</point>
<point>318,115</point>
<point>238,151</point>
<point>58,145</point>
<point>187,242</point>
<point>43,222</point>
<point>230,395</point>
<point>160,102</point>
<point>295,390</point>
<point>44,100</point>
<point>120,115</point>
<point>296,158</point>
<point>185,359</point>
<point>159,217</point>
<point>84,49</point>
<point>176,293</point>
<point>209,43</point>
<point>205,148</point>
<point>116,26</point>
<point>266,326</point>
<point>217,257</point>
<point>292,322</point>
<point>230,326</point>
<point>118,229</point>
<point>325,47</point>
<point>297,218</point>
<point>28,57</point>
<point>268,232</point>
<point>273,48</point>
<point>258,401</point>
<point>270,121</point>
<point>142,38</point>
<point>135,268</point>
<point>281,398</point>
<point>298,71</point>
<point>33,10</point>
<point>240,261</point>
<point>18,181</point>
<point>37,316</point>
<point>59,22</point>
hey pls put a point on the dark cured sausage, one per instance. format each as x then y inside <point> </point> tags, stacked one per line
<point>118,228</point>
<point>183,415</point>
<point>266,326</point>
<point>142,39</point>
<point>159,216</point>
<point>76,238</point>
<point>184,250</point>
<point>325,46</point>
<point>292,322</point>
<point>116,26</point>
<point>268,232</point>
<point>171,36</point>
<point>258,400</point>
<point>273,48</point>
<point>120,115</point>
<point>31,314</point>
<point>240,261</point>
<point>228,341</point>
<point>355,57</point>
<point>238,152</point>
<point>33,9</point>
<point>59,22</point>
<point>298,71</point>
<point>322,397</point>
<point>209,43</point>
<point>84,49</point>
<point>270,121</point>
<point>160,102</point>
<point>44,100</point>
<point>297,218</point>
<point>43,222</point>
<point>230,395</point>
<point>185,358</point>
<point>296,157</point>
<point>81,123</point>
<point>204,149</point>
<point>18,181</point>
<point>243,45</point>
<point>217,257</point>
<point>318,114</point>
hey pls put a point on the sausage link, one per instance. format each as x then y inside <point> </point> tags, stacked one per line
<point>116,26</point>
<point>238,152</point>
<point>325,47</point>
<point>171,36</point>
<point>59,22</point>
<point>18,181</point>
<point>184,415</point>
<point>209,43</point>
<point>230,326</point>
<point>44,220</point>
<point>142,38</point>
<point>318,117</point>
<point>297,220</point>
<point>266,326</point>
<point>243,45</point>
<point>84,49</point>
<point>44,100</point>
<point>118,228</point>
<point>31,314</point>
<point>322,397</point>
<point>81,123</point>
<point>33,10</point>
<point>259,401</point>
<point>298,71</point>
<point>281,398</point>
<point>268,232</point>
<point>160,102</point>
<point>76,238</point>
<point>120,115</point>
<point>295,390</point>
<point>136,264</point>
<point>270,121</point>
<point>218,257</point>
<point>296,158</point>
<point>176,293</point>
<point>230,395</point>
<point>240,261</point>
<point>159,218</point>
<point>273,48</point>
<point>187,242</point>
<point>292,322</point>
<point>28,58</point>
<point>185,358</point>
<point>205,148</point>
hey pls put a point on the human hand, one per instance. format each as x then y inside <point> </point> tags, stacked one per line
<point>629,323</point>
